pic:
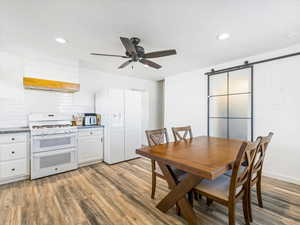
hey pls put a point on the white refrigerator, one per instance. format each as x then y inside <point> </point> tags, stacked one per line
<point>121,112</point>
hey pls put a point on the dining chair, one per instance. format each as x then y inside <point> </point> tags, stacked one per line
<point>156,137</point>
<point>177,132</point>
<point>227,190</point>
<point>181,133</point>
<point>257,170</point>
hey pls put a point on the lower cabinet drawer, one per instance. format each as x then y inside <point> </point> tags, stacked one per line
<point>12,151</point>
<point>12,138</point>
<point>13,168</point>
<point>96,132</point>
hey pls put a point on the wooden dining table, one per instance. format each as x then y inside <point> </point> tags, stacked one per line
<point>200,157</point>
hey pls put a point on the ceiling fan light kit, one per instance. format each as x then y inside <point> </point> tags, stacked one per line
<point>136,53</point>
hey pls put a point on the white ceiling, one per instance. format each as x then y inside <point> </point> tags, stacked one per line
<point>191,27</point>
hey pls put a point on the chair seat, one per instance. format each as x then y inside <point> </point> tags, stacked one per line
<point>180,174</point>
<point>229,172</point>
<point>218,187</point>
<point>177,172</point>
<point>242,168</point>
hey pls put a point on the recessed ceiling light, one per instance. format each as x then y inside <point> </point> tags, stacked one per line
<point>223,36</point>
<point>61,40</point>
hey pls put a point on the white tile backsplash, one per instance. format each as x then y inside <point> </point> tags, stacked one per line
<point>16,103</point>
<point>12,113</point>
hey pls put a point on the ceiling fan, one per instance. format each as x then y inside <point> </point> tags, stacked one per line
<point>136,53</point>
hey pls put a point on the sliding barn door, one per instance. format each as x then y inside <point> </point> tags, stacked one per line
<point>230,104</point>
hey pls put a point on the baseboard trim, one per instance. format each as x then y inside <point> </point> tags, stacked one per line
<point>13,180</point>
<point>89,163</point>
<point>282,177</point>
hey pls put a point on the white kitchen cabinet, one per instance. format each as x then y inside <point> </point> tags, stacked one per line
<point>12,169</point>
<point>13,151</point>
<point>90,145</point>
<point>12,138</point>
<point>14,161</point>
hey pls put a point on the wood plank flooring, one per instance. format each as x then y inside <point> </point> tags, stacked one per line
<point>120,194</point>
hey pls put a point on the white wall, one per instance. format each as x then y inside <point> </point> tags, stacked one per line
<point>16,103</point>
<point>92,81</point>
<point>276,107</point>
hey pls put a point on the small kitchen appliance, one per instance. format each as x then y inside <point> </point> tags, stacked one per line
<point>90,119</point>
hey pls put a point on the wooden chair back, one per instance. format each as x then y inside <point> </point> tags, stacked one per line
<point>241,174</point>
<point>260,155</point>
<point>156,137</point>
<point>181,133</point>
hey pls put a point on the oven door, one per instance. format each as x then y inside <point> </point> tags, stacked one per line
<point>53,142</point>
<point>53,162</point>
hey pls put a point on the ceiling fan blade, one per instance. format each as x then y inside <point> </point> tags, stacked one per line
<point>130,48</point>
<point>160,53</point>
<point>121,56</point>
<point>125,64</point>
<point>150,63</point>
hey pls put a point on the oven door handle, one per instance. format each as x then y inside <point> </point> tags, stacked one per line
<point>45,137</point>
<point>58,152</point>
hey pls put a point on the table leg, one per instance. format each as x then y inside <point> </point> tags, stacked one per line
<point>178,193</point>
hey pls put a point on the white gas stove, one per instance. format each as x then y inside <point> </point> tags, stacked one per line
<point>53,144</point>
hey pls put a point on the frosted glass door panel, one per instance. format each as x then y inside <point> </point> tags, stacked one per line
<point>230,104</point>
<point>218,127</point>
<point>240,129</point>
<point>240,81</point>
<point>240,105</point>
<point>218,106</point>
<point>218,84</point>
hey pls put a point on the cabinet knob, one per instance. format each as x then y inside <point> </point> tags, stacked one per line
<point>91,133</point>
<point>13,152</point>
<point>12,139</point>
<point>13,169</point>
<point>56,168</point>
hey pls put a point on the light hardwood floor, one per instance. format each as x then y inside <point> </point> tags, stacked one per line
<point>120,194</point>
